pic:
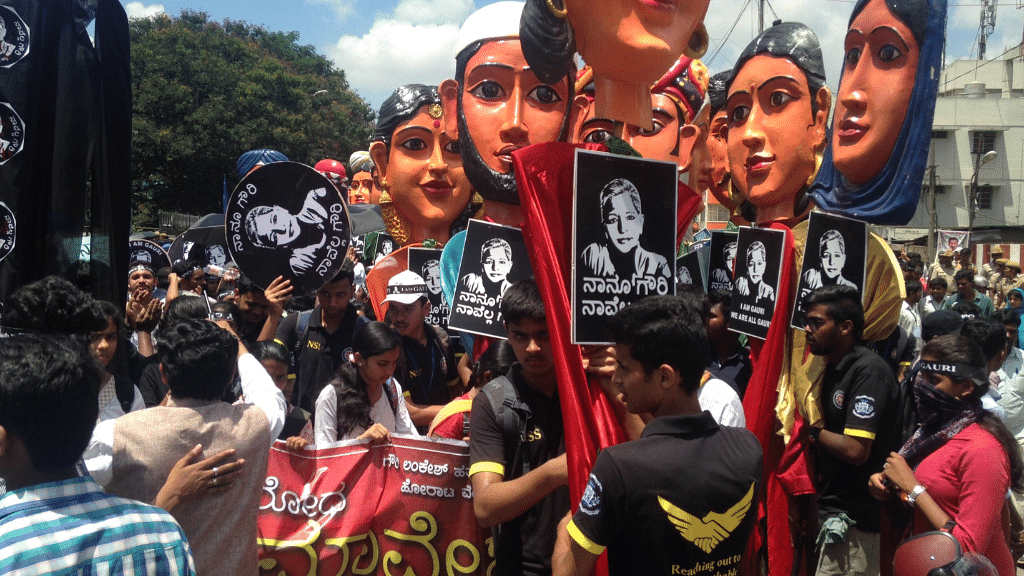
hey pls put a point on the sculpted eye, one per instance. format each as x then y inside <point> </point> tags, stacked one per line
<point>889,53</point>
<point>658,127</point>
<point>453,147</point>
<point>414,144</point>
<point>544,95</point>
<point>739,114</point>
<point>597,136</point>
<point>488,90</point>
<point>853,56</point>
<point>779,98</point>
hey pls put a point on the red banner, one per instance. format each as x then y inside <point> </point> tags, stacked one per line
<point>403,508</point>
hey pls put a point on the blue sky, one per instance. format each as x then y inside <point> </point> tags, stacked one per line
<point>382,44</point>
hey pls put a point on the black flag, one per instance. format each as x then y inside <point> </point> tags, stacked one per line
<point>65,139</point>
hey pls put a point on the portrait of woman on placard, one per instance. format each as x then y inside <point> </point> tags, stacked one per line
<point>832,259</point>
<point>882,125</point>
<point>619,254</point>
<point>753,284</point>
<point>420,167</point>
<point>777,108</point>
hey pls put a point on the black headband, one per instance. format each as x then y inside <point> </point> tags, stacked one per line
<point>955,370</point>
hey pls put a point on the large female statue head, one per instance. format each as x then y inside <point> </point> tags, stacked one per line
<point>882,124</point>
<point>629,43</point>
<point>777,108</point>
<point>420,169</point>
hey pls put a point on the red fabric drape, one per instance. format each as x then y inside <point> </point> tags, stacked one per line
<point>544,176</point>
<point>786,469</point>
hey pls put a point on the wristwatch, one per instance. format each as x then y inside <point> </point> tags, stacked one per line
<point>913,494</point>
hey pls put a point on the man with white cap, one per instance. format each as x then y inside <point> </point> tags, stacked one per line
<point>426,367</point>
<point>496,105</point>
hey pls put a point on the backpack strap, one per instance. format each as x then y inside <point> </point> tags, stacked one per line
<point>392,394</point>
<point>513,417</point>
<point>301,335</point>
<point>125,390</point>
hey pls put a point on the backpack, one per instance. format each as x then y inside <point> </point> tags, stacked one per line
<point>513,416</point>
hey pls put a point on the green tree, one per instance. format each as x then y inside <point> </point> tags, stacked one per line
<point>205,92</point>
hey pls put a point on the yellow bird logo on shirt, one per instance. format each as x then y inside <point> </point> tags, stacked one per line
<point>708,532</point>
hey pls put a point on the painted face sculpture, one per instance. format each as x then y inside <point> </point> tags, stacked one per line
<point>882,123</point>
<point>497,104</point>
<point>420,167</point>
<point>777,107</point>
<point>629,43</point>
<point>676,100</point>
<point>716,171</point>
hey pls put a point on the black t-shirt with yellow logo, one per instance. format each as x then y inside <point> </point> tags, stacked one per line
<point>523,545</point>
<point>680,500</point>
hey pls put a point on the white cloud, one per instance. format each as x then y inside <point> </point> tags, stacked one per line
<point>341,8</point>
<point>140,10</point>
<point>394,53</point>
<point>433,11</point>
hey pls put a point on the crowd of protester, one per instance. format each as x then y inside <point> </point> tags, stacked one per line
<point>160,417</point>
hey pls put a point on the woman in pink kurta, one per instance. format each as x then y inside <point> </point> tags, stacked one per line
<point>960,463</point>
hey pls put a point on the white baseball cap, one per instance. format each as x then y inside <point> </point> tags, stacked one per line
<point>406,287</point>
<point>498,20</point>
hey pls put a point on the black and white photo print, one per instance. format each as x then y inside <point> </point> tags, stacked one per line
<point>758,263</point>
<point>286,219</point>
<point>494,258</point>
<point>835,254</point>
<point>624,237</point>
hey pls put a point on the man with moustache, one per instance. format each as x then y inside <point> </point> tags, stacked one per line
<point>859,394</point>
<point>496,105</point>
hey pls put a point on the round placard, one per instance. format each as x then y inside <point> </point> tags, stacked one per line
<point>286,219</point>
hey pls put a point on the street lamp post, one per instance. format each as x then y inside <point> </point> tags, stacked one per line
<point>972,202</point>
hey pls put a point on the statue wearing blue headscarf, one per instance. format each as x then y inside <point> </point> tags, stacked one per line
<point>882,125</point>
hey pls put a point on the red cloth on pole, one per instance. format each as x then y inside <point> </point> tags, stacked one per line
<point>544,176</point>
<point>786,470</point>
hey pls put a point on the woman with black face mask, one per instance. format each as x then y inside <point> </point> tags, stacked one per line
<point>957,467</point>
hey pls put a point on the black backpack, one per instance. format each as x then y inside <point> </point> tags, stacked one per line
<point>513,416</point>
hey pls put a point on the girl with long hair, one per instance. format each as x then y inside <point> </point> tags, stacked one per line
<point>364,401</point>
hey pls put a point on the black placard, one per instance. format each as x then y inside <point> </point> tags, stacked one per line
<point>758,264</point>
<point>624,237</point>
<point>494,258</point>
<point>835,253</point>
<point>286,219</point>
<point>427,263</point>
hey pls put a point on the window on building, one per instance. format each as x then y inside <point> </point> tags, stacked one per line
<point>985,194</point>
<point>939,134</point>
<point>982,141</point>
<point>717,213</point>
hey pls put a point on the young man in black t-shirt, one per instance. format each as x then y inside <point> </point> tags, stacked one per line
<point>683,498</point>
<point>318,337</point>
<point>523,495</point>
<point>426,368</point>
<point>858,395</point>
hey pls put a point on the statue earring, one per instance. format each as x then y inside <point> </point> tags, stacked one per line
<point>698,44</point>
<point>556,11</point>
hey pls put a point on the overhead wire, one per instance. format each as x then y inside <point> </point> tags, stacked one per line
<point>728,34</point>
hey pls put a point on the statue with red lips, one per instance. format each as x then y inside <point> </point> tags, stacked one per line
<point>777,108</point>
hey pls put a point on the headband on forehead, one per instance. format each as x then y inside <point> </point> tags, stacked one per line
<point>140,266</point>
<point>221,315</point>
<point>191,270</point>
<point>955,370</point>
